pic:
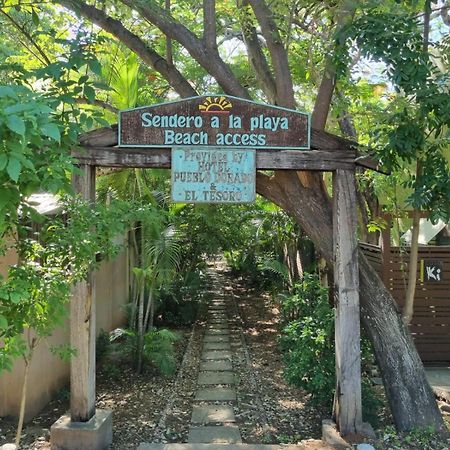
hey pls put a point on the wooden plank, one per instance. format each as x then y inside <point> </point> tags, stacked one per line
<point>372,163</point>
<point>82,324</point>
<point>265,159</point>
<point>102,137</point>
<point>320,140</point>
<point>347,407</point>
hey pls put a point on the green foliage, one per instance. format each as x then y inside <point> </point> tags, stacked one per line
<point>33,150</point>
<point>413,129</point>
<point>158,347</point>
<point>423,439</point>
<point>36,291</point>
<point>307,339</point>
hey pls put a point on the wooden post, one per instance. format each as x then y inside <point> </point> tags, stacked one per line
<point>82,324</point>
<point>347,405</point>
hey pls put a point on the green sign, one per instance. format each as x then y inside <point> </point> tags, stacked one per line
<point>213,175</point>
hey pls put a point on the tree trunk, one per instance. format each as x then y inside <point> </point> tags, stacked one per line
<point>408,309</point>
<point>410,396</point>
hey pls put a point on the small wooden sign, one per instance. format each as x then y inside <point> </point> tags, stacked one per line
<point>212,175</point>
<point>214,121</point>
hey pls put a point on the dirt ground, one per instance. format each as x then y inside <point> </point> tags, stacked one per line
<point>153,408</point>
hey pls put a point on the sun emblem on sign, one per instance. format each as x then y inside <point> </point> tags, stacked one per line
<point>215,105</point>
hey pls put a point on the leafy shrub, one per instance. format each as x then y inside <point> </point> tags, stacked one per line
<point>308,339</point>
<point>308,344</point>
<point>158,347</point>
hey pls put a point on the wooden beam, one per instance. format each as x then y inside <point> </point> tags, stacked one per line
<point>347,405</point>
<point>82,324</point>
<point>372,163</point>
<point>322,160</point>
<point>320,140</point>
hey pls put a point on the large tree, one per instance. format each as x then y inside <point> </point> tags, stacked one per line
<point>190,47</point>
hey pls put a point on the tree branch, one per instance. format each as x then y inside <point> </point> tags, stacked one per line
<point>209,25</point>
<point>258,61</point>
<point>99,103</point>
<point>209,60</point>
<point>134,43</point>
<point>169,49</point>
<point>325,93</point>
<point>283,79</point>
<point>28,36</point>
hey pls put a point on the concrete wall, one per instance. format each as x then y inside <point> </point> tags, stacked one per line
<point>48,374</point>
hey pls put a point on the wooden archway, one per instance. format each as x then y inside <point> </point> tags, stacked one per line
<point>328,153</point>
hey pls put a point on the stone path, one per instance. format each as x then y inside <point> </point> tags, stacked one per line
<point>213,420</point>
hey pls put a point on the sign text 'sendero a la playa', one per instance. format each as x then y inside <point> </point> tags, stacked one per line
<point>214,121</point>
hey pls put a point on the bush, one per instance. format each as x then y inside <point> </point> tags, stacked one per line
<point>158,347</point>
<point>308,339</point>
<point>308,344</point>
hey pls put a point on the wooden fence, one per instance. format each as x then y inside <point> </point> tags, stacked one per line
<point>430,325</point>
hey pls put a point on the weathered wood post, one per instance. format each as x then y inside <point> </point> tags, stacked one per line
<point>86,427</point>
<point>348,408</point>
<point>82,323</point>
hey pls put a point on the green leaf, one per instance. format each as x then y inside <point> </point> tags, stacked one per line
<point>13,168</point>
<point>3,161</point>
<point>16,124</point>
<point>3,323</point>
<point>52,131</point>
<point>95,66</point>
<point>15,297</point>
<point>35,17</point>
<point>89,92</point>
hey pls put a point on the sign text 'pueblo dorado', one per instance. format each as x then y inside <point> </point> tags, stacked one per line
<point>214,121</point>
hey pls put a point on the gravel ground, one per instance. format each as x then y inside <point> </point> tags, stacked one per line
<point>152,408</point>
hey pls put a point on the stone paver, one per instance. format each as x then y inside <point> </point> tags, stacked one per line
<point>213,414</point>
<point>215,332</point>
<point>216,394</point>
<point>211,378</point>
<point>216,338</point>
<point>214,435</point>
<point>216,366</point>
<point>319,446</point>
<point>217,326</point>
<point>216,355</point>
<point>216,346</point>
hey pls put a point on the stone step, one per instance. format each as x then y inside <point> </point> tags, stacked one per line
<point>212,414</point>
<point>212,378</point>
<point>216,394</point>
<point>216,346</point>
<point>216,366</point>
<point>217,326</point>
<point>318,446</point>
<point>216,338</point>
<point>209,333</point>
<point>216,355</point>
<point>214,435</point>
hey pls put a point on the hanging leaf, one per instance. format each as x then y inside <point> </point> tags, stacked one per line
<point>52,131</point>
<point>16,125</point>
